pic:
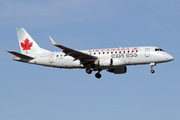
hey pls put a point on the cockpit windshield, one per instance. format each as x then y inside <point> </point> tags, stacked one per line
<point>159,49</point>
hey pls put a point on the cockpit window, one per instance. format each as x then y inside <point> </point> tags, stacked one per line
<point>159,49</point>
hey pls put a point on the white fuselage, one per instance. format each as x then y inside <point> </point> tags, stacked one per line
<point>123,56</point>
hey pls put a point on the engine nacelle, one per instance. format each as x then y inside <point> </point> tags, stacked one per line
<point>104,62</point>
<point>117,62</point>
<point>109,62</point>
<point>120,70</point>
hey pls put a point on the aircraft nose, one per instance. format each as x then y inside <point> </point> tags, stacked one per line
<point>170,57</point>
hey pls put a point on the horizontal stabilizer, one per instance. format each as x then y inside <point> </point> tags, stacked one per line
<point>20,55</point>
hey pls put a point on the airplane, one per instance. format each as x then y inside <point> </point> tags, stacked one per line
<point>114,60</point>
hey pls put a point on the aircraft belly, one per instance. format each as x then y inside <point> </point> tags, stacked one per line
<point>67,62</point>
<point>140,59</point>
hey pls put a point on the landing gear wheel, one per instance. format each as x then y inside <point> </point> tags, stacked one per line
<point>88,71</point>
<point>152,71</point>
<point>98,75</point>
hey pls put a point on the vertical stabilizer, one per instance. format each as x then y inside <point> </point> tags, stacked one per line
<point>26,42</point>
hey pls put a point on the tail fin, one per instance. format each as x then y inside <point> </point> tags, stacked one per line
<point>27,44</point>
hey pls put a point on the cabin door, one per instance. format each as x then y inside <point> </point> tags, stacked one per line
<point>51,58</point>
<point>147,52</point>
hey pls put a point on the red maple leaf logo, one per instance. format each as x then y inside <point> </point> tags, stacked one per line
<point>135,48</point>
<point>26,45</point>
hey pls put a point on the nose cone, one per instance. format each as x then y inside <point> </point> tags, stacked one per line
<point>170,57</point>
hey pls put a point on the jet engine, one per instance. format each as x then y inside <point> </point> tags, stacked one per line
<point>108,62</point>
<point>104,62</point>
<point>120,70</point>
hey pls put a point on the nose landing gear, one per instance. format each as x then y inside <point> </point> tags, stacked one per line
<point>152,64</point>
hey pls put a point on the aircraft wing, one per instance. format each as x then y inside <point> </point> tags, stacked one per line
<point>83,57</point>
<point>20,55</point>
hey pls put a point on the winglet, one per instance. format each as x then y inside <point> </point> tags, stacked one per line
<point>53,42</point>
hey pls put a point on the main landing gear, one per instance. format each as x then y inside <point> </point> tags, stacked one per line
<point>88,71</point>
<point>97,75</point>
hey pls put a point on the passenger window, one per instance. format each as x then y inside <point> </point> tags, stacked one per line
<point>57,55</point>
<point>119,51</point>
<point>136,50</point>
<point>116,52</point>
<point>94,53</point>
<point>112,52</point>
<point>124,51</point>
<point>107,52</point>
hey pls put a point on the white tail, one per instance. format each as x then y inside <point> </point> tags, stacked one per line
<point>27,44</point>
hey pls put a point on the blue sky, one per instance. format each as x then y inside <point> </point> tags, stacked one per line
<point>34,92</point>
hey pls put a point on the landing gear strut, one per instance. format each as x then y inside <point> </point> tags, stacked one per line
<point>152,71</point>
